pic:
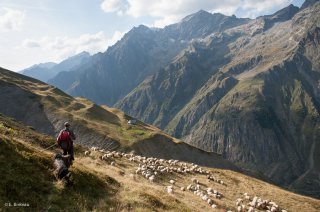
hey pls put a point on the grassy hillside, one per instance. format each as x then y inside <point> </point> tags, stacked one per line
<point>26,177</point>
<point>28,96</point>
<point>46,108</point>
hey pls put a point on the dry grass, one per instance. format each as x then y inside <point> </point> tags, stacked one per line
<point>135,192</point>
<point>98,186</point>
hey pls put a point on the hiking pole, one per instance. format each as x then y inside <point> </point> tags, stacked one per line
<point>49,147</point>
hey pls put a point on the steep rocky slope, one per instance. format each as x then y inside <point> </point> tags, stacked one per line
<point>250,93</point>
<point>111,75</point>
<point>27,182</point>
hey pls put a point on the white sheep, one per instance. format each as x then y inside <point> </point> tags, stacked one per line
<point>190,187</point>
<point>250,209</point>
<point>151,178</point>
<point>239,201</point>
<point>246,196</point>
<point>170,189</point>
<point>172,182</point>
<point>239,208</point>
<point>273,209</point>
<point>254,201</point>
<point>94,148</point>
<point>205,197</point>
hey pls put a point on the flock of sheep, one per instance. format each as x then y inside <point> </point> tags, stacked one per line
<point>256,203</point>
<point>152,169</point>
<point>206,194</point>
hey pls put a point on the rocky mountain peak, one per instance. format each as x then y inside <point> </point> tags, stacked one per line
<point>135,34</point>
<point>82,54</point>
<point>41,65</point>
<point>200,16</point>
<point>283,14</point>
<point>308,3</point>
<point>287,12</point>
<point>201,24</point>
<point>139,30</point>
<point>280,16</point>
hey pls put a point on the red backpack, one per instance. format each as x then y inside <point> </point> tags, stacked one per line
<point>64,139</point>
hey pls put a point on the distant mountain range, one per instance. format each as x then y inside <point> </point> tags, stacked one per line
<point>46,71</point>
<point>244,88</point>
<point>111,75</point>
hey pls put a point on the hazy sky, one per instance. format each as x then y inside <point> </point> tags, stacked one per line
<point>36,31</point>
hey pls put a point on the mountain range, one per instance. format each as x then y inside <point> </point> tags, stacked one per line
<point>247,89</point>
<point>46,71</point>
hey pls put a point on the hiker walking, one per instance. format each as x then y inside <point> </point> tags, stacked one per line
<point>65,140</point>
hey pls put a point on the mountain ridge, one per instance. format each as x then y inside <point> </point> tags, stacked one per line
<point>120,68</point>
<point>237,112</point>
<point>47,71</point>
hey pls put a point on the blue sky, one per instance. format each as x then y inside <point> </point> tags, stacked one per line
<point>36,31</point>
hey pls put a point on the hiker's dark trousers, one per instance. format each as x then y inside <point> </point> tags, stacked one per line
<point>69,151</point>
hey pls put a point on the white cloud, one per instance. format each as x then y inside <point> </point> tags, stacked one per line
<point>255,8</point>
<point>11,19</point>
<point>30,43</point>
<point>169,11</point>
<point>166,21</point>
<point>63,47</point>
<point>119,6</point>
